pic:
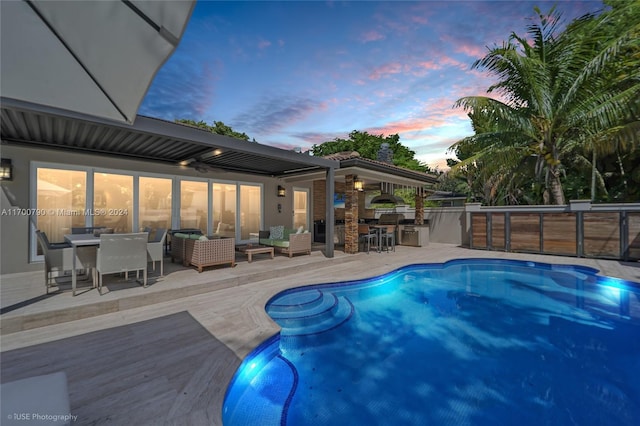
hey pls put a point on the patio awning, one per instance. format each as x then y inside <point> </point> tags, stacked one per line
<point>149,139</point>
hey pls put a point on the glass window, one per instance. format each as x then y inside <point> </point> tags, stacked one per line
<point>194,205</point>
<point>61,196</point>
<point>250,211</point>
<point>113,201</point>
<point>155,203</point>
<point>224,209</point>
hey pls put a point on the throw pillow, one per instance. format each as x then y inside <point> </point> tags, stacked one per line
<point>276,232</point>
<point>300,229</point>
<point>203,238</point>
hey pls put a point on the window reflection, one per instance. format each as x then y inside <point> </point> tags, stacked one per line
<point>113,202</point>
<point>61,194</point>
<point>155,203</point>
<point>194,203</point>
<point>224,209</point>
<point>300,209</point>
<point>250,210</point>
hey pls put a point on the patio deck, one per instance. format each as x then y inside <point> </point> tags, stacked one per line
<point>165,354</point>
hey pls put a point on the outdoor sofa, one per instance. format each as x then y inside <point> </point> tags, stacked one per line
<point>201,251</point>
<point>288,241</point>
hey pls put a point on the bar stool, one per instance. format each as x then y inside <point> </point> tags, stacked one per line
<point>365,234</point>
<point>388,237</point>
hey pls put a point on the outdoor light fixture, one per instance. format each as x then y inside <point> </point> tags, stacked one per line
<point>358,184</point>
<point>281,191</point>
<point>6,169</point>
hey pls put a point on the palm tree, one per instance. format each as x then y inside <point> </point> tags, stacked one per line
<point>559,94</point>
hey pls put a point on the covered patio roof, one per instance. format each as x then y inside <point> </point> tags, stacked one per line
<point>149,139</point>
<point>373,172</point>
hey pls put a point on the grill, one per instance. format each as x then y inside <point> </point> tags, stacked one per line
<point>391,219</point>
<point>407,233</point>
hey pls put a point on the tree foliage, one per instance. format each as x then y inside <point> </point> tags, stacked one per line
<point>368,146</point>
<point>218,128</point>
<point>565,100</point>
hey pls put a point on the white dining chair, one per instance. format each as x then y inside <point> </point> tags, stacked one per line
<point>122,253</point>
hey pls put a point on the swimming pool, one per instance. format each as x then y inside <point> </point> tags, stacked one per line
<point>467,342</point>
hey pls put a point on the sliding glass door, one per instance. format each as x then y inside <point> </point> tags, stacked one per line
<point>113,202</point>
<point>61,202</point>
<point>300,208</point>
<point>250,211</point>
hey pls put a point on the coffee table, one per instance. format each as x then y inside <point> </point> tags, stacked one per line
<point>255,249</point>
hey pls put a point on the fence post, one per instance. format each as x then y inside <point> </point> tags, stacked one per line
<point>489,219</point>
<point>624,236</point>
<point>579,234</point>
<point>579,207</point>
<point>507,231</point>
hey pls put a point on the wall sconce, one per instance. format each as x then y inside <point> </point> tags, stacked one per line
<point>358,184</point>
<point>6,169</point>
<point>281,191</point>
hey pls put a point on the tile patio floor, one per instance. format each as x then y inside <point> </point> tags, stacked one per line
<point>164,354</point>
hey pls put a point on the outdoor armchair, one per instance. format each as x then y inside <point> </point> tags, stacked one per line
<point>201,251</point>
<point>122,253</point>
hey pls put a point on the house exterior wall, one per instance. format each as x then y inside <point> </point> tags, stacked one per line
<point>14,229</point>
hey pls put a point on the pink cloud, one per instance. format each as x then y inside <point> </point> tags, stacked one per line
<point>471,50</point>
<point>407,126</point>
<point>370,36</point>
<point>429,65</point>
<point>386,70</point>
<point>263,44</point>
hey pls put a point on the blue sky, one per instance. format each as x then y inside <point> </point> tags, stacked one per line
<point>297,73</point>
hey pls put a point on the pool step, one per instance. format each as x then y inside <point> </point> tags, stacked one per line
<point>306,314</point>
<point>329,319</point>
<point>293,302</point>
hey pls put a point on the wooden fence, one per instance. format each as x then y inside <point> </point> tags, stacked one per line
<point>608,231</point>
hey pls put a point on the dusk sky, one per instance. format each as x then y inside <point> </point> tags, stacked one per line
<point>297,73</point>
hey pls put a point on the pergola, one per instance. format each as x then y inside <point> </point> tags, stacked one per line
<point>150,139</point>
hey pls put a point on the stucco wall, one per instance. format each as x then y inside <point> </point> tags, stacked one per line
<point>14,231</point>
<point>447,225</point>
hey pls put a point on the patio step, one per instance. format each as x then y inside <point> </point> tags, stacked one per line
<point>304,314</point>
<point>26,314</point>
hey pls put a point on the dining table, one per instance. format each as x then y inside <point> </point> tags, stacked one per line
<point>77,240</point>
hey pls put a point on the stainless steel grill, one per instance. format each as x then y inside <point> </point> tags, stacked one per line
<point>415,235</point>
<point>391,219</point>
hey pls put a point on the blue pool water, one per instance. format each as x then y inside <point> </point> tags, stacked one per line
<point>468,342</point>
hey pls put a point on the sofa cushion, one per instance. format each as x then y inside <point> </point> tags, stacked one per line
<point>275,243</point>
<point>276,232</point>
<point>180,235</point>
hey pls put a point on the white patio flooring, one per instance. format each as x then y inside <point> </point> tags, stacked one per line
<point>165,354</point>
